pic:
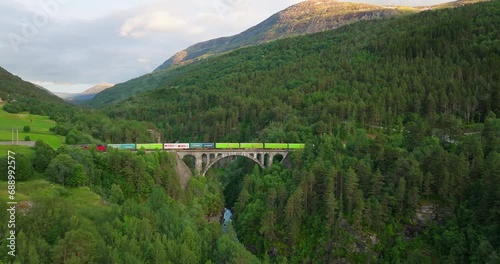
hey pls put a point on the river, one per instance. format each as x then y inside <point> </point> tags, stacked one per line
<point>227,220</point>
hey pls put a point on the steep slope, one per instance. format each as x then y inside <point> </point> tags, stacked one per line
<point>12,87</point>
<point>304,18</point>
<point>429,64</point>
<point>19,95</point>
<point>458,3</point>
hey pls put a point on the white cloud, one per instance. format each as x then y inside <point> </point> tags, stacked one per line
<point>155,22</point>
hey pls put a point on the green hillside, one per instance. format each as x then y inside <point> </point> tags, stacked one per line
<point>20,96</point>
<point>440,65</point>
<point>300,19</point>
<point>13,87</point>
<point>55,121</point>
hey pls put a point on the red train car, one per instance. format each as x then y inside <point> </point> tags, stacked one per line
<point>98,147</point>
<point>101,147</point>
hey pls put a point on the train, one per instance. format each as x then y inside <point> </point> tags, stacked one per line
<point>184,146</point>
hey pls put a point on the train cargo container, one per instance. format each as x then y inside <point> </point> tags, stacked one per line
<point>251,145</point>
<point>195,145</point>
<point>122,146</point>
<point>276,145</point>
<point>176,146</point>
<point>208,145</point>
<point>128,146</point>
<point>201,145</point>
<point>227,145</point>
<point>150,146</point>
<point>296,146</point>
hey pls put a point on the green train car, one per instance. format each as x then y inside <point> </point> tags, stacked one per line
<point>252,145</point>
<point>296,146</point>
<point>150,146</point>
<point>227,145</point>
<point>276,145</point>
<point>259,146</point>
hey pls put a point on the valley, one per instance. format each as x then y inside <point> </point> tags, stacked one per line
<point>333,132</point>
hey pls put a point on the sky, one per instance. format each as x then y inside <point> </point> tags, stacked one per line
<point>72,45</point>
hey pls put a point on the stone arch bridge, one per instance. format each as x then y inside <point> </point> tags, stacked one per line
<point>206,158</point>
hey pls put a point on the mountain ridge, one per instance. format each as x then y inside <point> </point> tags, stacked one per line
<point>13,87</point>
<point>303,18</point>
<point>85,95</point>
<point>161,76</point>
<point>98,88</point>
<point>20,95</point>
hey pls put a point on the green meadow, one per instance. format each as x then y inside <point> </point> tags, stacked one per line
<point>27,151</point>
<point>81,197</point>
<point>39,128</point>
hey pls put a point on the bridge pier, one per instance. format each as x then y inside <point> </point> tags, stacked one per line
<point>198,162</point>
<point>270,159</point>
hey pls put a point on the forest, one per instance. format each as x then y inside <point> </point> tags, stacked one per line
<point>401,122</point>
<point>141,215</point>
<point>369,74</point>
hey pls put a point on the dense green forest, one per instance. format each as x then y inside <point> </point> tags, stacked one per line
<point>400,116</point>
<point>143,216</point>
<point>415,100</point>
<point>438,65</point>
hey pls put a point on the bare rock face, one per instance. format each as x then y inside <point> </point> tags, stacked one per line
<point>183,171</point>
<point>425,213</point>
<point>304,18</point>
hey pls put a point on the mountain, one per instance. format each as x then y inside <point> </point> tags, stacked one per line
<point>300,19</point>
<point>85,95</point>
<point>306,17</point>
<point>454,4</point>
<point>19,96</point>
<point>14,88</point>
<point>437,64</point>
<point>66,96</point>
<point>98,88</point>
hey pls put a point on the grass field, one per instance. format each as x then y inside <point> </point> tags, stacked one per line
<point>39,125</point>
<point>81,198</point>
<point>27,151</point>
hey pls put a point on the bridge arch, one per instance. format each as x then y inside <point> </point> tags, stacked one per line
<point>205,159</point>
<point>219,158</point>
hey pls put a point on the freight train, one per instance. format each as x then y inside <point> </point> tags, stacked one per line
<point>184,146</point>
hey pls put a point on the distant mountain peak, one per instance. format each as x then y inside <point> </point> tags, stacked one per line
<point>307,17</point>
<point>86,95</point>
<point>98,88</point>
